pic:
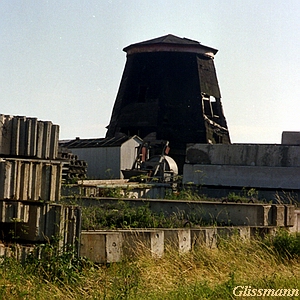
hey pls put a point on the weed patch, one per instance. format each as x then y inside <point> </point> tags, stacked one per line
<point>285,244</point>
<point>122,215</point>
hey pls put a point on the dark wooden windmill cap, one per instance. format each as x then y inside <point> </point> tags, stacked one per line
<point>170,43</point>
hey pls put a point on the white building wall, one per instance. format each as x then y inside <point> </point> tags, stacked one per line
<point>128,154</point>
<point>103,162</point>
<point>107,162</point>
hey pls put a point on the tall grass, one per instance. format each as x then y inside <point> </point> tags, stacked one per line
<point>202,273</point>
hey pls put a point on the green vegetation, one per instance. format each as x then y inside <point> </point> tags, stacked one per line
<point>122,215</point>
<point>285,244</point>
<point>200,274</point>
<point>115,214</point>
<point>187,193</point>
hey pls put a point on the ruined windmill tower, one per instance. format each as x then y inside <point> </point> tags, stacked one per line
<point>169,91</point>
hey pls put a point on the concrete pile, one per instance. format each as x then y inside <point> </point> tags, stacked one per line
<point>28,137</point>
<point>108,246</point>
<point>34,221</point>
<point>72,167</point>
<point>29,169</point>
<point>30,184</point>
<point>262,166</point>
<point>30,179</point>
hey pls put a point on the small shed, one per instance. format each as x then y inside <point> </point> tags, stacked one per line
<point>105,157</point>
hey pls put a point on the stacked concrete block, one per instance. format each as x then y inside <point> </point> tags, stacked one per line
<point>27,179</point>
<point>30,181</point>
<point>2,250</point>
<point>28,137</point>
<point>52,220</point>
<point>14,211</point>
<point>267,166</point>
<point>20,252</point>
<point>34,229</point>
<point>33,221</point>
<point>29,169</point>
<point>5,251</point>
<point>73,168</point>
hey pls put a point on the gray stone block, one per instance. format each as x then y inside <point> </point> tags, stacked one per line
<point>204,237</point>
<point>178,238</point>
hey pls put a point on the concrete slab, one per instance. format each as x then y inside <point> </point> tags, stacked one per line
<point>204,237</point>
<point>34,229</point>
<point>178,238</point>
<point>30,179</point>
<point>278,215</point>
<point>289,218</point>
<point>207,212</point>
<point>114,250</point>
<point>6,132</point>
<point>271,155</point>
<point>33,222</point>
<point>2,250</point>
<point>262,231</point>
<point>242,176</point>
<point>101,247</point>
<point>290,137</point>
<point>145,240</point>
<point>229,232</point>
<point>113,246</point>
<point>296,226</point>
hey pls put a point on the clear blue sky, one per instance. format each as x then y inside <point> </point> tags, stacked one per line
<point>62,60</point>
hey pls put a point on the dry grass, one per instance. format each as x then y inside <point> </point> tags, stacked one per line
<point>200,274</point>
<point>248,261</point>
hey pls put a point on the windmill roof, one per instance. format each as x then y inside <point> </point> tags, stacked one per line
<point>170,42</point>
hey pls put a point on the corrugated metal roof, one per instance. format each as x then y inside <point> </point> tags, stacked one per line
<point>96,142</point>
